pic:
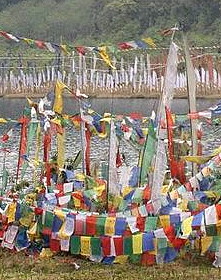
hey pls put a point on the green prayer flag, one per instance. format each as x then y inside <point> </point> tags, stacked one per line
<point>49,217</point>
<point>161,243</point>
<point>31,134</point>
<point>100,225</point>
<point>214,247</point>
<point>147,154</point>
<point>192,205</point>
<point>77,160</point>
<point>95,246</point>
<point>75,245</point>
<point>211,230</point>
<point>104,170</point>
<point>4,178</point>
<point>128,246</point>
<point>123,205</point>
<point>135,259</point>
<point>151,223</point>
<point>137,196</point>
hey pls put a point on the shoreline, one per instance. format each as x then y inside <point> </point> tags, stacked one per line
<point>113,96</point>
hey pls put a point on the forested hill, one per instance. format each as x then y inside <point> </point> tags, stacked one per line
<point>109,21</point>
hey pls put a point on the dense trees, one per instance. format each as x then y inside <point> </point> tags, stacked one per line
<point>102,21</point>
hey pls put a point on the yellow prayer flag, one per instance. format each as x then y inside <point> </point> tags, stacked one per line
<point>46,253</point>
<point>149,41</point>
<point>58,103</point>
<point>60,214</point>
<point>61,233</point>
<point>99,189</point>
<point>110,226</point>
<point>164,189</point>
<point>64,49</point>
<point>197,159</point>
<point>121,259</point>
<point>56,121</point>
<point>137,243</point>
<point>117,201</point>
<point>28,41</point>
<point>11,212</point>
<point>205,243</point>
<point>85,245</point>
<point>126,190</point>
<point>27,219</point>
<point>187,226</point>
<point>183,205</point>
<point>77,202</point>
<point>105,56</point>
<point>60,150</point>
<point>2,120</point>
<point>33,229</point>
<point>218,227</point>
<point>164,220</point>
<point>203,159</point>
<point>80,177</point>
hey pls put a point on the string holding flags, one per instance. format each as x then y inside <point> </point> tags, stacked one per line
<point>66,49</point>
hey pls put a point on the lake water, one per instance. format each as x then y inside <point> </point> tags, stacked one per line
<point>12,108</point>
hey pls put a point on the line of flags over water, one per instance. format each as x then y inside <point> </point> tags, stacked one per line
<point>67,49</point>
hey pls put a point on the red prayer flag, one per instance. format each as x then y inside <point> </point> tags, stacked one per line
<point>106,245</point>
<point>23,141</point>
<point>54,245</point>
<point>118,244</point>
<point>79,227</point>
<point>81,50</point>
<point>147,259</point>
<point>40,44</point>
<point>141,223</point>
<point>91,225</point>
<point>124,46</point>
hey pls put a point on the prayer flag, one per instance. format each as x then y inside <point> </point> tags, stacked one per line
<point>58,103</point>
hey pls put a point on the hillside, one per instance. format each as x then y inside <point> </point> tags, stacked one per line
<point>109,21</point>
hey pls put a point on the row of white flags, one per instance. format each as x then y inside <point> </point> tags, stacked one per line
<point>103,80</point>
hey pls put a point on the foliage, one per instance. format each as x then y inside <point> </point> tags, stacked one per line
<point>108,21</point>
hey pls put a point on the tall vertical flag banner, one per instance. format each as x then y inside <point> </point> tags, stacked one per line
<point>112,170</point>
<point>58,102</point>
<point>32,129</point>
<point>83,139</point>
<point>37,150</point>
<point>177,166</point>
<point>60,149</point>
<point>170,125</point>
<point>23,143</point>
<point>85,142</point>
<point>88,149</point>
<point>147,154</point>
<point>191,89</point>
<point>166,99</point>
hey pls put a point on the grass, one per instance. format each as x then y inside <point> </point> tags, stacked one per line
<point>19,266</point>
